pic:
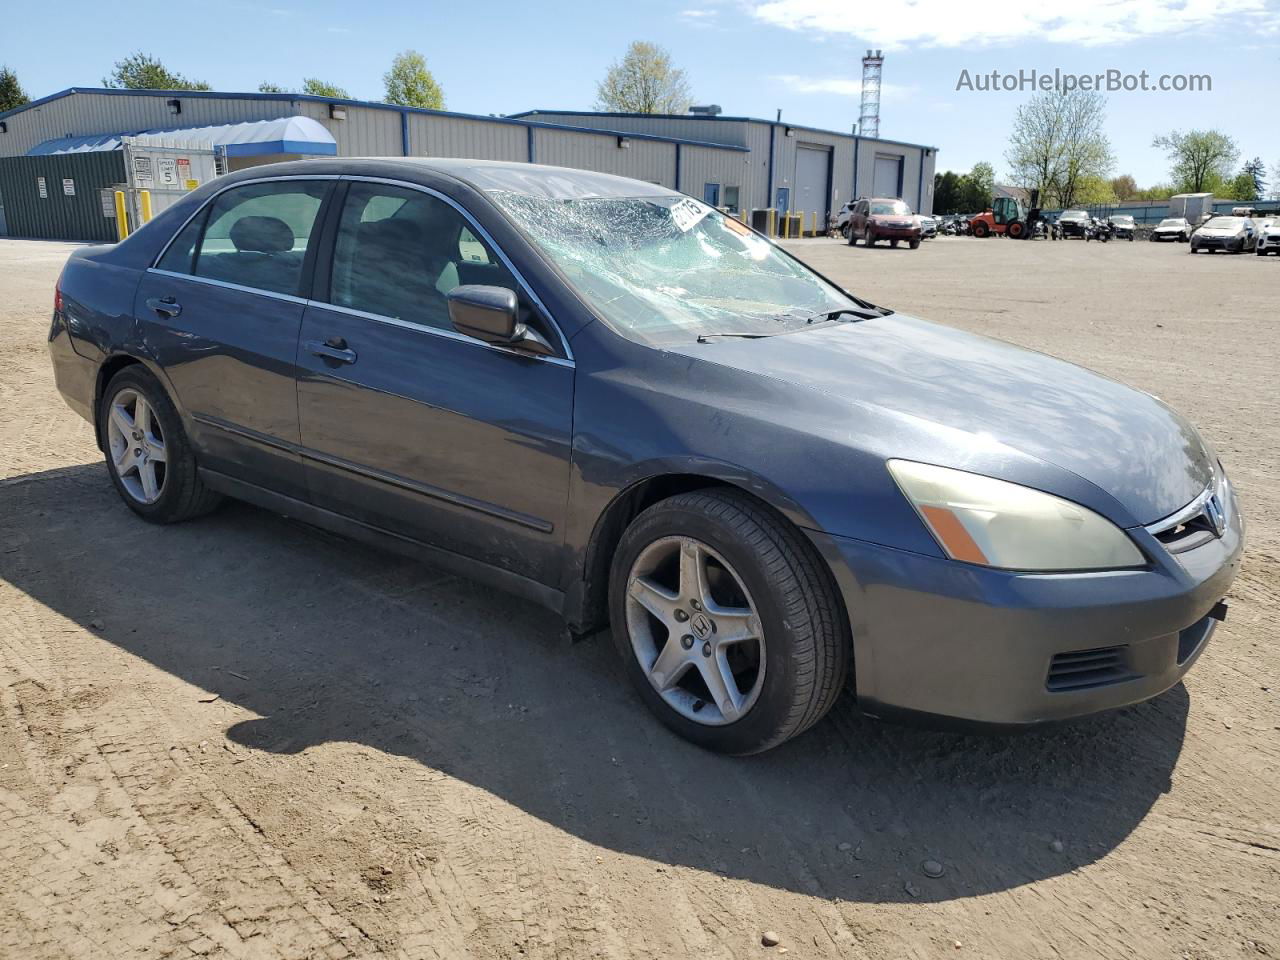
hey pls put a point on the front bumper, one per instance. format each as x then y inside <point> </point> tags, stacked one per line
<point>958,642</point>
<point>1225,244</point>
<point>886,232</point>
<point>1267,244</point>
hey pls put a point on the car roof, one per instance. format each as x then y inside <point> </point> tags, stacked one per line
<point>533,179</point>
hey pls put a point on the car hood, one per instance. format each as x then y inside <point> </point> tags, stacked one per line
<point>985,394</point>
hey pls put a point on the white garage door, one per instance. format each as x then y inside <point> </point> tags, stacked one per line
<point>888,176</point>
<point>812,174</point>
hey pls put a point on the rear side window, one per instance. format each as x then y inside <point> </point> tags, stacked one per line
<point>253,236</point>
<point>399,252</point>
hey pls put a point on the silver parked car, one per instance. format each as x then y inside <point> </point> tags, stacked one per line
<point>1228,234</point>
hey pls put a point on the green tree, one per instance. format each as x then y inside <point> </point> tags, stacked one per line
<point>138,71</point>
<point>410,84</point>
<point>1057,142</point>
<point>268,87</point>
<point>1240,187</point>
<point>644,81</point>
<point>1200,160</point>
<point>11,93</point>
<point>947,194</point>
<point>322,88</point>
<point>1094,191</point>
<point>1257,172</point>
<point>976,188</point>
<point>1124,187</point>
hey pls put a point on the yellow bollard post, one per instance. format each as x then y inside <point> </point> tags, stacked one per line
<point>773,230</point>
<point>122,222</point>
<point>144,198</point>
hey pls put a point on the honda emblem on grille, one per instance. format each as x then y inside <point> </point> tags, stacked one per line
<point>1213,510</point>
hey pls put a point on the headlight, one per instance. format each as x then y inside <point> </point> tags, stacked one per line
<point>1000,524</point>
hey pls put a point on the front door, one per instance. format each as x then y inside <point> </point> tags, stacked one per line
<point>413,428</point>
<point>221,312</point>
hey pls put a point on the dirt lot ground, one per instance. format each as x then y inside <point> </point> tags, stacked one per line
<point>242,737</point>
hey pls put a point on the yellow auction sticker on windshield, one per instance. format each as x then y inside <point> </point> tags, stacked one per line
<point>686,213</point>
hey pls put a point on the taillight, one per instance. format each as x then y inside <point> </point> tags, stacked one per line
<point>57,296</point>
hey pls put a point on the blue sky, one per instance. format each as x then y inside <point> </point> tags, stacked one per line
<point>750,56</point>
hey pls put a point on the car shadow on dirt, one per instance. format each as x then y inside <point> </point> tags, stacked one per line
<point>326,640</point>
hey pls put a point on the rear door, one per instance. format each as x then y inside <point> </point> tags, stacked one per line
<point>221,312</point>
<point>412,427</point>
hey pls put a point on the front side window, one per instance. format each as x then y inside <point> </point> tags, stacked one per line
<point>668,269</point>
<point>400,251</point>
<point>253,236</point>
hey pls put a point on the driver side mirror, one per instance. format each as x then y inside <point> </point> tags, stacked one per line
<point>492,314</point>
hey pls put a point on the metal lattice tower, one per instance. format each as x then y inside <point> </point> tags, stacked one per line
<point>869,122</point>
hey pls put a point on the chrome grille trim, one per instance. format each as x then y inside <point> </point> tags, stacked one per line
<point>1197,507</point>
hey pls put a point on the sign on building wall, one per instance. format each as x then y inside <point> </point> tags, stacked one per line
<point>68,186</point>
<point>108,199</point>
<point>143,175</point>
<point>43,190</point>
<point>167,172</point>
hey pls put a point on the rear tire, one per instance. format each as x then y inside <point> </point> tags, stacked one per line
<point>802,657</point>
<point>162,484</point>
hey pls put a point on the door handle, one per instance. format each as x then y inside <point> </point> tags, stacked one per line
<point>334,349</point>
<point>165,306</point>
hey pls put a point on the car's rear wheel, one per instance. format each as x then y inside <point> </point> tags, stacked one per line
<point>148,456</point>
<point>726,621</point>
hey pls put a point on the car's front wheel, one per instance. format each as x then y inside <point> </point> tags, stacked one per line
<point>726,621</point>
<point>148,455</point>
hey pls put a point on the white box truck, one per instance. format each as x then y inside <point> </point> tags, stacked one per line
<point>1195,208</point>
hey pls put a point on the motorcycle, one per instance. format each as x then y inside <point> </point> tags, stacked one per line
<point>1099,230</point>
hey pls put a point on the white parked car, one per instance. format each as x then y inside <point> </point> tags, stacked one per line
<point>1172,228</point>
<point>1268,237</point>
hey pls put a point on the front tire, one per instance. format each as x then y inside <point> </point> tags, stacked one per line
<point>727,622</point>
<point>149,458</point>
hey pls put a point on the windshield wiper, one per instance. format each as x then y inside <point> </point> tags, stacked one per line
<point>708,337</point>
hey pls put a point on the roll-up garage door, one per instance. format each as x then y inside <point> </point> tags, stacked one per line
<point>813,166</point>
<point>888,178</point>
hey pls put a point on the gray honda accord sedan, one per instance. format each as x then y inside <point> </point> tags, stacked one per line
<point>611,399</point>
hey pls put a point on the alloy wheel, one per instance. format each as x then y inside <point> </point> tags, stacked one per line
<point>135,442</point>
<point>695,630</point>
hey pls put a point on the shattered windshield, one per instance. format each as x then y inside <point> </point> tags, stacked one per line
<point>671,269</point>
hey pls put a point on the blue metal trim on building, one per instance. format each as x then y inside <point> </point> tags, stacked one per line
<point>773,129</point>
<point>533,153</point>
<point>857,142</point>
<point>920,186</point>
<point>266,148</point>
<point>306,97</point>
<point>404,134</point>
<point>693,116</point>
<point>677,166</point>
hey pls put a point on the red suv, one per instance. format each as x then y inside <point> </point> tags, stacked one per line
<point>881,218</point>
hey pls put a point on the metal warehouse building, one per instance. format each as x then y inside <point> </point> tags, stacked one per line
<point>735,162</point>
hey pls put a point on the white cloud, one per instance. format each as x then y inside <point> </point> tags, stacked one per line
<point>895,24</point>
<point>848,86</point>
